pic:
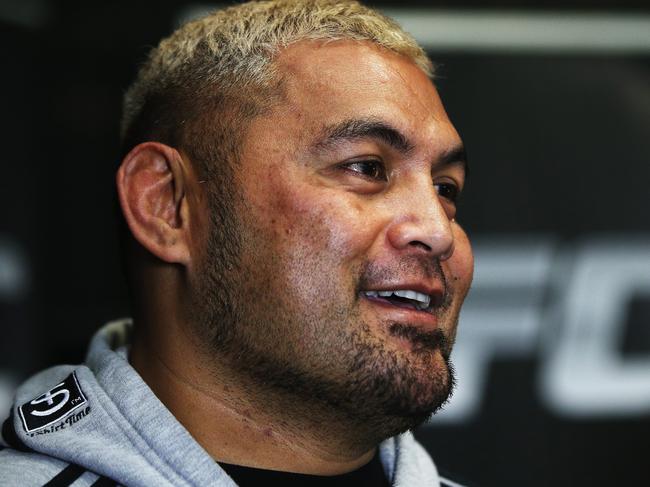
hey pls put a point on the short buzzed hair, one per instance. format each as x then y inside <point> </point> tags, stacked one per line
<point>200,86</point>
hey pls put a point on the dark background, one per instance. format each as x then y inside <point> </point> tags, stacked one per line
<point>559,155</point>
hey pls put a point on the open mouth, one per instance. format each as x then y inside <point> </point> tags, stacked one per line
<point>402,298</point>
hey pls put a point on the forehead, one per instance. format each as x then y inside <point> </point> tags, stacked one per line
<point>326,82</point>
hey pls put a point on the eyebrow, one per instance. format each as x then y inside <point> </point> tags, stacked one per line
<point>455,156</point>
<point>354,129</point>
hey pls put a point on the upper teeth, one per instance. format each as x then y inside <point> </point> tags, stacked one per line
<point>422,299</point>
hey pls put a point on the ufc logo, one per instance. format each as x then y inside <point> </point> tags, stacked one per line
<point>567,306</point>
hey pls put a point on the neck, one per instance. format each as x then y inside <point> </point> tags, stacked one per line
<point>235,421</point>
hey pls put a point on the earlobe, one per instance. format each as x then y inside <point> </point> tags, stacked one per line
<point>151,189</point>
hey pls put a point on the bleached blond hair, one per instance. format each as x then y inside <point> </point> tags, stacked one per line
<point>199,86</point>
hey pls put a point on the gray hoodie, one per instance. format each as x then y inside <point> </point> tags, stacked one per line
<point>100,424</point>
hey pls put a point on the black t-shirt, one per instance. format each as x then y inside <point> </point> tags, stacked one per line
<point>370,475</point>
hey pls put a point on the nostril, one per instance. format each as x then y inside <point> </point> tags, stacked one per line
<point>422,245</point>
<point>444,254</point>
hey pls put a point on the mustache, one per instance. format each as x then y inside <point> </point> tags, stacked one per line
<point>413,267</point>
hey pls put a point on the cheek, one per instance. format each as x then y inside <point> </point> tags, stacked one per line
<point>318,241</point>
<point>316,221</point>
<point>461,263</point>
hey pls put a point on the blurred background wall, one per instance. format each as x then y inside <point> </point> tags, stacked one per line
<point>553,102</point>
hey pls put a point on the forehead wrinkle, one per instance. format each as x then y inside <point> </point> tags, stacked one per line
<point>414,93</point>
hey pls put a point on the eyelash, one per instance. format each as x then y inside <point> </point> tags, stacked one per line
<point>448,190</point>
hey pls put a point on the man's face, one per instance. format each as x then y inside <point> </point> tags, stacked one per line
<point>347,193</point>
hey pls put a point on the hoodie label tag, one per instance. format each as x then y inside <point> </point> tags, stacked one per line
<point>53,406</point>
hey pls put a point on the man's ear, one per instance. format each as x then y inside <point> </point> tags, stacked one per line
<point>151,184</point>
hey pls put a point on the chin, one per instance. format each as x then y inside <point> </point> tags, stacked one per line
<point>402,390</point>
<point>425,396</point>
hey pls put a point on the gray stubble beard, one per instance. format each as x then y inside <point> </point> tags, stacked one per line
<point>379,393</point>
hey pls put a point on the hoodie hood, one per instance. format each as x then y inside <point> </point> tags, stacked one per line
<point>103,417</point>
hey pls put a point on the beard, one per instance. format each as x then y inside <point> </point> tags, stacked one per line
<point>323,361</point>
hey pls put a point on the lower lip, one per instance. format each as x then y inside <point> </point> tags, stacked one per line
<point>402,315</point>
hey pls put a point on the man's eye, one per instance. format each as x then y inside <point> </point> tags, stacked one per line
<point>370,169</point>
<point>449,191</point>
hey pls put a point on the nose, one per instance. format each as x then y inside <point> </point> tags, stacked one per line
<point>422,223</point>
